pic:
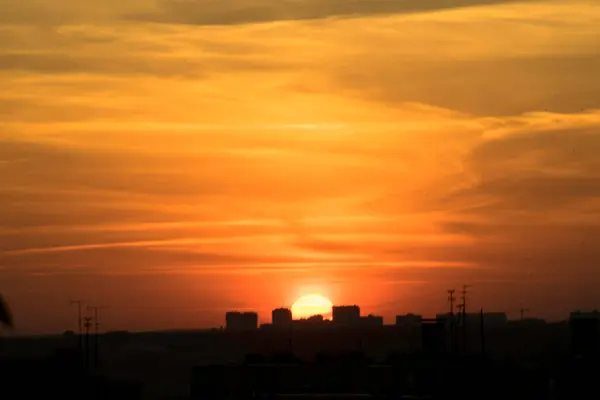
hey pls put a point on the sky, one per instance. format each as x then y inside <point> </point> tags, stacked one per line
<point>168,160</point>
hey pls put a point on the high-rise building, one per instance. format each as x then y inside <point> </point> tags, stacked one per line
<point>281,317</point>
<point>346,315</point>
<point>238,321</point>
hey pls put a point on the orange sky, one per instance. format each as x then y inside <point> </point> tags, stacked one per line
<point>172,160</point>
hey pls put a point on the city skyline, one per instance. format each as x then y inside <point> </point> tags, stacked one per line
<point>172,160</point>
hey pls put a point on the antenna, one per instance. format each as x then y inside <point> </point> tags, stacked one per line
<point>451,300</point>
<point>79,304</point>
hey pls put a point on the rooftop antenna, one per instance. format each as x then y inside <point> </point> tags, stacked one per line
<point>451,300</point>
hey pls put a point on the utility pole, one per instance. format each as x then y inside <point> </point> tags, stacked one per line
<point>79,304</point>
<point>451,300</point>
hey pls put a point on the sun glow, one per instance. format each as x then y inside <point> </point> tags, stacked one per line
<point>312,304</point>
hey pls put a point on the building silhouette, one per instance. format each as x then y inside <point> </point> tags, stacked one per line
<point>434,337</point>
<point>585,333</point>
<point>408,320</point>
<point>241,321</point>
<point>371,321</point>
<point>346,315</point>
<point>281,318</point>
<point>315,319</point>
<point>490,319</point>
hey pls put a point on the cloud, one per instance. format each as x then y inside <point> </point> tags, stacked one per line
<point>206,12</point>
<point>167,67</point>
<point>544,170</point>
<point>58,12</point>
<point>399,145</point>
<point>557,83</point>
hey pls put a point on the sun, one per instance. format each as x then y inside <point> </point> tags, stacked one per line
<point>312,304</point>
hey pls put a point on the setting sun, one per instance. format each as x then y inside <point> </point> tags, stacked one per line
<point>312,304</point>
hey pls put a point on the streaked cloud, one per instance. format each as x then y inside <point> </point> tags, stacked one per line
<point>206,12</point>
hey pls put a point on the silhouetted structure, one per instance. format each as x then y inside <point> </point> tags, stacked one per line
<point>60,376</point>
<point>345,376</point>
<point>315,319</point>
<point>238,321</point>
<point>433,337</point>
<point>281,318</point>
<point>346,315</point>
<point>585,333</point>
<point>357,356</point>
<point>371,321</point>
<point>492,319</point>
<point>408,320</point>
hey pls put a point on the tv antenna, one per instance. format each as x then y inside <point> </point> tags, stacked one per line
<point>451,300</point>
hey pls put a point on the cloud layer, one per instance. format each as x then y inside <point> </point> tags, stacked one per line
<point>239,155</point>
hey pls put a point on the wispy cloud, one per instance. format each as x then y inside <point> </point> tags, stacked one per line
<point>202,12</point>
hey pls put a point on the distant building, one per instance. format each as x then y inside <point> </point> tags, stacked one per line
<point>371,321</point>
<point>585,333</point>
<point>446,317</point>
<point>529,322</point>
<point>238,321</point>
<point>346,315</point>
<point>315,319</point>
<point>281,317</point>
<point>408,320</point>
